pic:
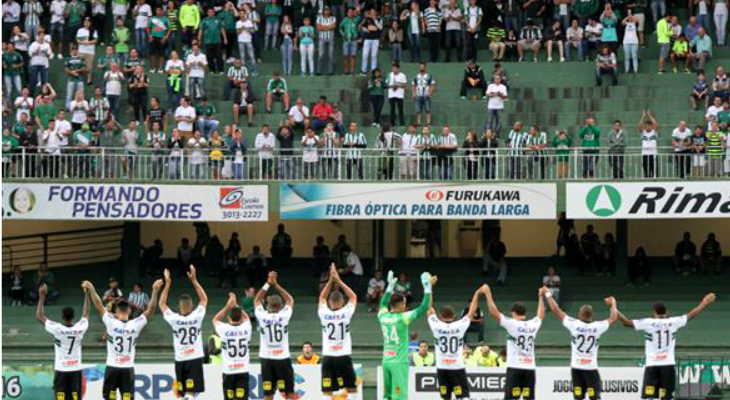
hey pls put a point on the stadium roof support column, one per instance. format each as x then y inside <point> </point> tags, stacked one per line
<point>622,249</point>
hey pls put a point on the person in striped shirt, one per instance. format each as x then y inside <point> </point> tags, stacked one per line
<point>516,143</point>
<point>330,152</point>
<point>536,141</point>
<point>431,22</point>
<point>447,144</point>
<point>326,25</point>
<point>138,300</point>
<point>354,141</point>
<point>32,10</point>
<point>425,145</point>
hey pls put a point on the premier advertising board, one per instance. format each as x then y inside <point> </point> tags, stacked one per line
<point>418,201</point>
<point>648,200</point>
<point>155,382</point>
<point>135,202</point>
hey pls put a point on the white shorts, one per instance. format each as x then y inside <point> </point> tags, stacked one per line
<point>699,160</point>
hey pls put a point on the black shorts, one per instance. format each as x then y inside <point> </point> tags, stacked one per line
<point>659,382</point>
<point>586,383</point>
<point>189,376</point>
<point>453,381</point>
<point>338,373</point>
<point>520,383</point>
<point>235,387</point>
<point>67,385</point>
<point>118,379</point>
<point>277,375</point>
<point>157,48</point>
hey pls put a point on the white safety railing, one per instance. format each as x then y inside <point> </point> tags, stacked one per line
<point>102,164</point>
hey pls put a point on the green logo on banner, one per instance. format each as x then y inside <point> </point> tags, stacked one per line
<point>603,200</point>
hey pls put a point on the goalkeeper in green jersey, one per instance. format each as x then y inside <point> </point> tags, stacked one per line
<point>394,320</point>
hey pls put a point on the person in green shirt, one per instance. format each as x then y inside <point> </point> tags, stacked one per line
<point>715,149</point>
<point>350,34</point>
<point>590,137</point>
<point>107,59</point>
<point>272,16</point>
<point>394,321</point>
<point>76,72</point>
<point>664,37</point>
<point>212,36</point>
<point>75,11</point>
<point>10,146</point>
<point>207,122</point>
<point>12,67</point>
<point>44,112</point>
<point>562,144</point>
<point>189,18</point>
<point>228,18</point>
<point>120,38</point>
<point>83,139</point>
<point>680,51</point>
<point>158,31</point>
<point>172,19</point>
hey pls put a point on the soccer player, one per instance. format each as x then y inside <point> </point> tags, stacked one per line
<point>394,321</point>
<point>521,333</point>
<point>235,337</point>
<point>121,341</point>
<point>277,372</point>
<point>449,335</point>
<point>660,333</point>
<point>67,337</point>
<point>335,314</point>
<point>584,336</point>
<point>187,336</point>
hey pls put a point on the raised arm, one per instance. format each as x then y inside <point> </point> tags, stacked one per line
<point>351,295</point>
<point>165,292</point>
<point>286,296</point>
<point>540,304</point>
<point>428,282</point>
<point>624,320</point>
<point>613,310</point>
<point>328,287</point>
<point>553,304</point>
<point>95,300</point>
<point>475,303</point>
<point>706,301</point>
<point>222,313</point>
<point>87,306</point>
<point>152,305</point>
<point>202,297</point>
<point>39,313</point>
<point>385,300</point>
<point>491,307</point>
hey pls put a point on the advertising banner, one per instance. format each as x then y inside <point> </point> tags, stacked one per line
<point>553,383</point>
<point>458,201</point>
<point>47,201</point>
<point>648,200</point>
<point>156,382</point>
<point>703,378</point>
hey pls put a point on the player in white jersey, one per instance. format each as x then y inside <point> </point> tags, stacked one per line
<point>660,332</point>
<point>277,372</point>
<point>187,336</point>
<point>521,333</point>
<point>584,336</point>
<point>335,315</point>
<point>121,341</point>
<point>449,343</point>
<point>235,338</point>
<point>67,337</point>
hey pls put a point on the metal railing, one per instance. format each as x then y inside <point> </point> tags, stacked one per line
<point>703,378</point>
<point>105,164</point>
<point>60,249</point>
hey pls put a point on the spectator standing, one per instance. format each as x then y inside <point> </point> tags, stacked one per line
<point>609,34</point>
<point>422,89</point>
<point>682,146</point>
<point>715,147</point>
<point>265,145</point>
<point>372,28</point>
<point>330,153</point>
<point>608,256</point>
<point>395,39</point>
<point>711,255</point>
<point>664,37</point>
<point>40,53</point>
<point>639,267</point>
<point>648,127</point>
<point>272,15</point>
<point>453,17</point>
<point>446,146</point>
<point>185,117</point>
<point>86,40</point>
<point>256,263</point>
<point>432,18</point>
<point>321,257</point>
<point>288,38</point>
<point>174,159</point>
<point>408,154</point>
<point>376,93</point>
<point>310,156</point>
<point>12,63</point>
<point>142,13</point>
<point>590,245</point>
<point>17,287</point>
<point>190,19</point>
<point>305,37</point>
<point>471,150</point>
<point>720,15</point>
<point>411,20</point>
<point>495,258</point>
<point>350,33</point>
<point>590,137</point>
<point>397,84</point>
<point>497,94</point>
<point>281,248</point>
<point>212,35</point>
<point>239,165</point>
<point>354,141</point>
<point>196,146</point>
<point>174,69</point>
<point>631,44</point>
<point>120,38</point>
<point>535,145</point>
<point>245,29</point>
<point>516,142</point>
<point>616,149</point>
<point>326,25</point>
<point>138,91</point>
<point>473,24</point>
<point>75,68</point>
<point>196,63</point>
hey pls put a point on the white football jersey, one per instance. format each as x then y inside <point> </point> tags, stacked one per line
<point>584,338</point>
<point>187,333</point>
<point>67,344</point>
<point>235,346</point>
<point>660,338</point>
<point>336,339</point>
<point>274,333</point>
<point>449,341</point>
<point>121,340</point>
<point>520,341</point>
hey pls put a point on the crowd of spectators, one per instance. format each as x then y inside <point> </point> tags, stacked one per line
<point>109,52</point>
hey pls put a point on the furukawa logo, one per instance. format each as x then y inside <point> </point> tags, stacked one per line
<point>467,195</point>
